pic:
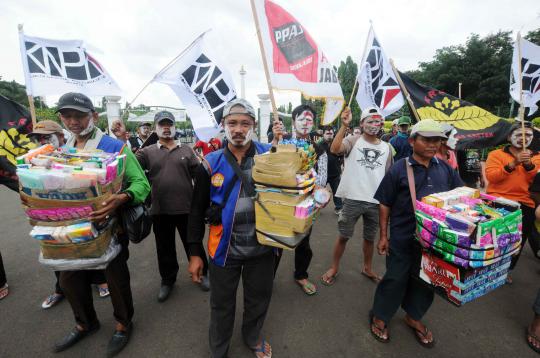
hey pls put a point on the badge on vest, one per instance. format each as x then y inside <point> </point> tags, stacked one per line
<point>217,180</point>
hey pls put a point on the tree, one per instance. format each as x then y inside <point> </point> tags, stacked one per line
<point>347,72</point>
<point>17,92</point>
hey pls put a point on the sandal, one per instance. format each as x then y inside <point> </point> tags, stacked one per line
<point>421,336</point>
<point>372,277</point>
<point>528,336</point>
<point>374,326</point>
<point>329,280</point>
<point>104,292</point>
<point>309,288</point>
<point>262,350</point>
<point>4,291</point>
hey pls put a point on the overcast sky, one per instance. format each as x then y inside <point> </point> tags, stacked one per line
<point>137,38</point>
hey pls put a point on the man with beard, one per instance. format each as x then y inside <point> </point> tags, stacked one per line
<point>171,169</point>
<point>335,162</point>
<point>223,197</point>
<point>143,132</point>
<point>303,118</point>
<point>50,132</point>
<point>367,158</point>
<point>510,172</point>
<point>77,113</point>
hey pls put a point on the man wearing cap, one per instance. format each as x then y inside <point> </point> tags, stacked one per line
<point>77,113</point>
<point>367,158</point>
<point>170,167</point>
<point>223,197</point>
<point>393,132</point>
<point>397,287</point>
<point>143,132</point>
<point>400,141</point>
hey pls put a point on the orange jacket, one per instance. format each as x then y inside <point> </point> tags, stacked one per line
<point>512,185</point>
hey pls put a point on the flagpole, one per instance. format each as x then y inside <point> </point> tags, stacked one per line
<point>404,90</point>
<point>521,111</point>
<point>166,67</point>
<point>361,63</point>
<point>265,64</point>
<point>30,97</point>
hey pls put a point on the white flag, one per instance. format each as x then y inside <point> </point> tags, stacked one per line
<point>530,74</point>
<point>295,61</point>
<point>202,84</point>
<point>53,67</point>
<point>377,83</point>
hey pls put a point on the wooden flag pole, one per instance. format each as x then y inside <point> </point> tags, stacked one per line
<point>265,64</point>
<point>521,111</point>
<point>32,109</point>
<point>30,97</point>
<point>404,90</point>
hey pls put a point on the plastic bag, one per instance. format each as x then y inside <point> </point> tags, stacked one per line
<point>99,263</point>
<point>137,222</point>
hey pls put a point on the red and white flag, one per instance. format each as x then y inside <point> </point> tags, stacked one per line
<point>295,61</point>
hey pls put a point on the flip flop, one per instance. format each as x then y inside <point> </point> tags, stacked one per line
<point>4,291</point>
<point>330,279</point>
<point>308,288</point>
<point>418,333</point>
<point>375,278</point>
<point>528,335</point>
<point>375,335</point>
<point>261,349</point>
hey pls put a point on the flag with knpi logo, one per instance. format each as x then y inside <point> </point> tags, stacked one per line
<point>377,83</point>
<point>203,85</point>
<point>54,67</point>
<point>295,61</point>
<point>530,75</point>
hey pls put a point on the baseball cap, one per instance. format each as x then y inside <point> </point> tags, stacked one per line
<point>370,111</point>
<point>163,115</point>
<point>142,124</point>
<point>428,128</point>
<point>404,120</point>
<point>76,101</point>
<point>47,127</point>
<point>247,108</point>
<point>395,122</point>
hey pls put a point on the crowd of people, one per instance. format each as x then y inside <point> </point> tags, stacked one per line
<point>209,184</point>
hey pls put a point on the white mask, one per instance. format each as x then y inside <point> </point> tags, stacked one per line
<point>53,139</point>
<point>88,129</point>
<point>159,132</point>
<point>144,130</point>
<point>516,138</point>
<point>452,140</point>
<point>304,123</point>
<point>229,137</point>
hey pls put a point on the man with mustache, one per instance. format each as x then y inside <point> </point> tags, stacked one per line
<point>397,287</point>
<point>143,132</point>
<point>170,166</point>
<point>223,197</point>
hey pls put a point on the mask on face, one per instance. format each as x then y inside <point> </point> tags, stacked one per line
<point>88,129</point>
<point>229,136</point>
<point>144,130</point>
<point>53,139</point>
<point>452,141</point>
<point>159,132</point>
<point>516,138</point>
<point>304,123</point>
<point>371,127</point>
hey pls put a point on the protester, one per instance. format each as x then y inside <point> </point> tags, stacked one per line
<point>4,288</point>
<point>387,136</point>
<point>400,141</point>
<point>356,131</point>
<point>118,128</point>
<point>50,132</point>
<point>446,150</point>
<point>369,158</point>
<point>470,166</point>
<point>143,132</point>
<point>225,200</point>
<point>398,288</point>
<point>76,113</point>
<point>510,171</point>
<point>303,118</point>
<point>335,162</point>
<point>205,148</point>
<point>270,131</point>
<point>171,169</point>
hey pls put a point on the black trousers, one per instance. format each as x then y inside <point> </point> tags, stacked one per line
<point>164,231</point>
<point>397,288</point>
<point>257,279</point>
<point>3,278</point>
<point>302,258</point>
<point>78,291</point>
<point>98,278</point>
<point>334,183</point>
<point>528,223</point>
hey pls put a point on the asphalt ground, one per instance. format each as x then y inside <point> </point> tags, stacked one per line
<point>333,323</point>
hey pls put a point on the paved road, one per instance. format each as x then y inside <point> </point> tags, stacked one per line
<point>331,324</point>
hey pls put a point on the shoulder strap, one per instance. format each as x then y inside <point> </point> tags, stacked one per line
<point>248,187</point>
<point>410,179</point>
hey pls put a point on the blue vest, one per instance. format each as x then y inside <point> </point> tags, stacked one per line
<point>221,177</point>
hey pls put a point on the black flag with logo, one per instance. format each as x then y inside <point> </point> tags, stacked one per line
<point>476,127</point>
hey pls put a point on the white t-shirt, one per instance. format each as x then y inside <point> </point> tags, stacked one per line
<point>365,166</point>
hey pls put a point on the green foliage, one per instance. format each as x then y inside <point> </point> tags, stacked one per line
<point>17,92</point>
<point>347,72</point>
